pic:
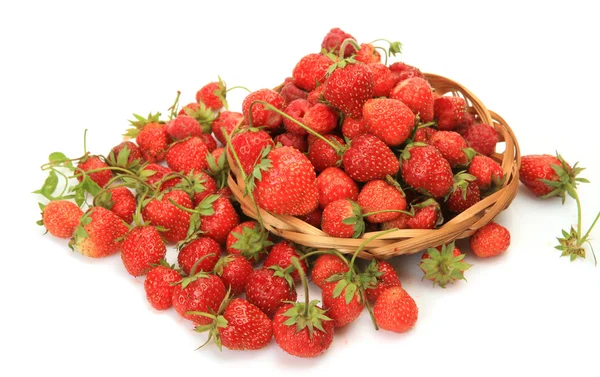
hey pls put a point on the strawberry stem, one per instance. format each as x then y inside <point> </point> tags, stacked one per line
<point>238,87</point>
<point>587,234</point>
<point>346,42</point>
<point>367,241</point>
<point>85,142</point>
<point>296,264</point>
<point>175,106</point>
<point>389,211</point>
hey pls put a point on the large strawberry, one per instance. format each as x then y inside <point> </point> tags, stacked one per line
<point>450,112</point>
<point>427,215</point>
<point>348,88</point>
<point>281,255</point>
<point>487,172</point>
<point>388,119</point>
<point>268,288</point>
<point>547,175</point>
<point>161,212</point>
<point>343,306</point>
<point>444,264</point>
<point>182,127</point>
<point>310,71</point>
<point>125,155</point>
<point>395,310</point>
<point>260,116</point>
<point>343,218</point>
<point>453,148</point>
<point>378,197</point>
<point>202,252</point>
<point>417,95</point>
<point>151,137</point>
<point>482,138</point>
<point>188,155</point>
<point>223,219</point>
<point>352,128</point>
<point>333,184</point>
<point>490,240</point>
<point>321,118</point>
<point>99,233</point>
<point>227,120</point>
<point>61,217</point>
<point>384,276</point>
<point>425,170</point>
<point>200,292</point>
<point>234,270</point>
<point>383,79</point>
<point>160,284</point>
<point>249,240</point>
<point>249,145</point>
<point>142,248</point>
<point>326,266</point>
<point>322,155</point>
<point>464,194</point>
<point>369,158</point>
<point>119,200</point>
<point>159,177</point>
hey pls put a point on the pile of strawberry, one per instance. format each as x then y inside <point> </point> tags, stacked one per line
<point>347,144</point>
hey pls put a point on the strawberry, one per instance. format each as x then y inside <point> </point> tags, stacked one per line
<point>335,216</point>
<point>221,222</point>
<point>367,54</point>
<point>321,118</point>
<point>297,194</point>
<point>99,233</point>
<point>61,218</point>
<point>142,248</point>
<point>310,71</point>
<point>333,184</point>
<point>200,292</point>
<point>333,41</point>
<point>296,109</point>
<point>249,240</point>
<point>450,112</point>
<point>377,195</point>
<point>281,255</point>
<point>159,285</point>
<point>202,252</point>
<point>151,137</point>
<point>384,276</point>
<point>198,185</point>
<point>226,193</point>
<point>417,95</point>
<point>125,155</point>
<point>268,288</point>
<point>348,88</point>
<point>322,155</point>
<point>444,264</point>
<point>487,172</point>
<point>404,71</point>
<point>369,158</point>
<point>395,310</point>
<point>424,135</point>
<point>388,119</point>
<point>153,173</point>
<point>401,222</point>
<point>326,266</point>
<point>464,195</point>
<point>490,240</point>
<point>161,212</point>
<point>182,127</point>
<point>425,170</point>
<point>427,215</point>
<point>234,270</point>
<point>213,95</point>
<point>290,92</point>
<point>482,138</point>
<point>228,120</point>
<point>202,114</point>
<point>344,306</point>
<point>249,145</point>
<point>262,117</point>
<point>188,155</point>
<point>383,79</point>
<point>218,170</point>
<point>210,141</point>
<point>119,200</point>
<point>352,128</point>
<point>547,175</point>
<point>292,140</point>
<point>453,148</point>
<point>100,172</point>
<point>313,218</point>
<point>316,96</point>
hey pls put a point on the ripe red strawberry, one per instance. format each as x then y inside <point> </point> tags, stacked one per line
<point>268,289</point>
<point>292,140</point>
<point>450,112</point>
<point>309,341</point>
<point>249,240</point>
<point>316,96</point>
<point>401,222</point>
<point>395,310</point>
<point>281,255</point>
<point>153,173</point>
<point>490,240</point>
<point>228,120</point>
<point>142,248</point>
<point>213,95</point>
<point>339,308</point>
<point>61,217</point>
<point>383,79</point>
<point>249,145</point>
<point>367,54</point>
<point>487,172</point>
<point>297,194</point>
<point>162,213</point>
<point>99,233</point>
<point>234,270</point>
<point>427,215</point>
<point>369,158</point>
<point>125,155</point>
<point>404,71</point>
<point>453,148</point>
<point>187,155</point>
<point>119,200</point>
<point>352,128</point>
<point>334,184</point>
<point>296,109</point>
<point>377,195</point>
<point>151,137</point>
<point>262,117</point>
<point>221,222</point>
<point>424,135</point>
<point>417,95</point>
<point>348,88</point>
<point>425,170</point>
<point>159,285</point>
<point>311,70</point>
<point>384,276</point>
<point>463,197</point>
<point>326,266</point>
<point>334,215</point>
<point>443,264</point>
<point>183,126</point>
<point>322,155</point>
<point>204,115</point>
<point>290,92</point>
<point>388,119</point>
<point>203,252</point>
<point>198,185</point>
<point>482,138</point>
<point>547,175</point>
<point>198,293</point>
<point>102,173</point>
<point>313,218</point>
<point>321,118</point>
<point>333,41</point>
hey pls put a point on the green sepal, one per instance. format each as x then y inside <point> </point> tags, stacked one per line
<point>252,242</point>
<point>263,164</point>
<point>442,267</point>
<point>218,169</point>
<point>280,272</point>
<point>139,122</point>
<point>204,115</point>
<point>567,179</point>
<point>312,321</point>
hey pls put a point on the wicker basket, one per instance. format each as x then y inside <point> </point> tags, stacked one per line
<point>409,241</point>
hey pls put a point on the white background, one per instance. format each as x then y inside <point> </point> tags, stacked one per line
<point>69,66</point>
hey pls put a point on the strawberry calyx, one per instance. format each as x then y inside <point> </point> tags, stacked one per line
<point>218,322</point>
<point>340,61</point>
<point>122,160</point>
<point>357,220</point>
<point>218,169</point>
<point>203,114</point>
<point>393,49</point>
<point>204,208</point>
<point>263,163</point>
<point>405,154</point>
<point>430,203</point>
<point>221,93</point>
<point>140,122</point>
<point>283,273</point>
<point>221,263</point>
<point>187,280</point>
<point>567,181</point>
<point>192,184</point>
<point>461,181</point>
<point>442,267</point>
<point>252,242</point>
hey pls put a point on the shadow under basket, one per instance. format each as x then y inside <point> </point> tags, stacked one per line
<point>408,241</point>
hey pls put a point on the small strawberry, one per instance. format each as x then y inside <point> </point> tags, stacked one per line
<point>296,109</point>
<point>444,264</point>
<point>249,240</point>
<point>417,95</point>
<point>384,276</point>
<point>268,288</point>
<point>202,114</point>
<point>322,155</point>
<point>223,219</point>
<point>260,116</point>
<point>228,120</point>
<point>151,137</point>
<point>352,128</point>
<point>159,285</point>
<point>188,155</point>
<point>234,270</point>
<point>547,175</point>
<point>401,222</point>
<point>218,171</point>
<point>321,118</point>
<point>379,196</point>
<point>487,172</point>
<point>100,171</point>
<point>404,71</point>
<point>182,127</point>
<point>153,174</point>
<point>161,212</point>
<point>292,140</point>
<point>388,119</point>
<point>200,292</point>
<point>202,252</point>
<point>464,195</point>
<point>99,233</point>
<point>316,96</point>
<point>450,112</point>
<point>395,310</point>
<point>424,135</point>
<point>125,155</point>
<point>213,95</point>
<point>119,200</point>
<point>482,138</point>
<point>383,79</point>
<point>326,266</point>
<point>427,215</point>
<point>343,218</point>
<point>333,42</point>
<point>369,158</point>
<point>339,308</point>
<point>310,71</point>
<point>313,218</point>
<point>333,184</point>
<point>142,248</point>
<point>425,170</point>
<point>290,92</point>
<point>61,218</point>
<point>249,145</point>
<point>348,88</point>
<point>367,54</point>
<point>281,255</point>
<point>198,185</point>
<point>210,141</point>
<point>490,240</point>
<point>453,148</point>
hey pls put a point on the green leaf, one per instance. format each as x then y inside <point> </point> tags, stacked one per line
<point>79,196</point>
<point>90,186</point>
<point>50,185</point>
<point>350,290</point>
<point>57,158</point>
